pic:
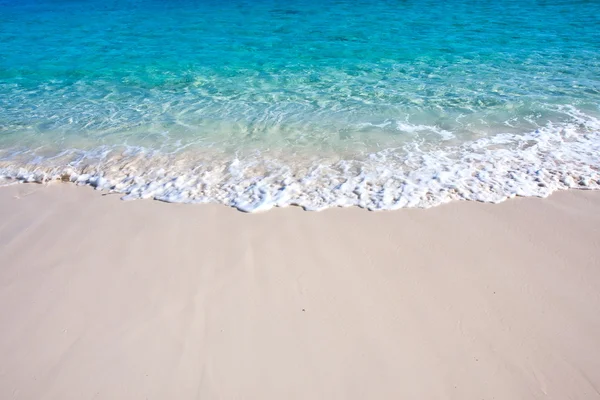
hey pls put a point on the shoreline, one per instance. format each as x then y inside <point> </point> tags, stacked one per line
<point>490,169</point>
<point>125,197</point>
<point>102,298</point>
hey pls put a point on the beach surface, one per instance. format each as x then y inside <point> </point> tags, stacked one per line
<point>106,299</point>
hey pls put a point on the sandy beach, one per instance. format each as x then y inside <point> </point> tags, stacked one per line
<point>106,299</point>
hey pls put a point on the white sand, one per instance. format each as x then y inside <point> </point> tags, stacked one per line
<point>106,299</point>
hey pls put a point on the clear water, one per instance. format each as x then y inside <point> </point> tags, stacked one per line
<point>254,104</point>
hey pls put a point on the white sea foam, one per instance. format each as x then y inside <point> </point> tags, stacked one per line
<point>491,169</point>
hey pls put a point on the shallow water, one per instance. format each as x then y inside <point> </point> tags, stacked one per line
<point>254,104</point>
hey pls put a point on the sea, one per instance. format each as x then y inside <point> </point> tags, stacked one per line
<point>380,104</point>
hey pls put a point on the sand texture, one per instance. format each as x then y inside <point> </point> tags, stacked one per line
<point>106,299</point>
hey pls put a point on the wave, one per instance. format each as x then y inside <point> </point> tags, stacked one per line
<point>417,174</point>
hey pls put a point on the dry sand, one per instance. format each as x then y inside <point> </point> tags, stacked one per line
<point>106,299</point>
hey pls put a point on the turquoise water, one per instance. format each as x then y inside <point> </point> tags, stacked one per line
<point>254,104</point>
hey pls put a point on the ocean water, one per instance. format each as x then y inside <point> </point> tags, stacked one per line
<point>254,104</point>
